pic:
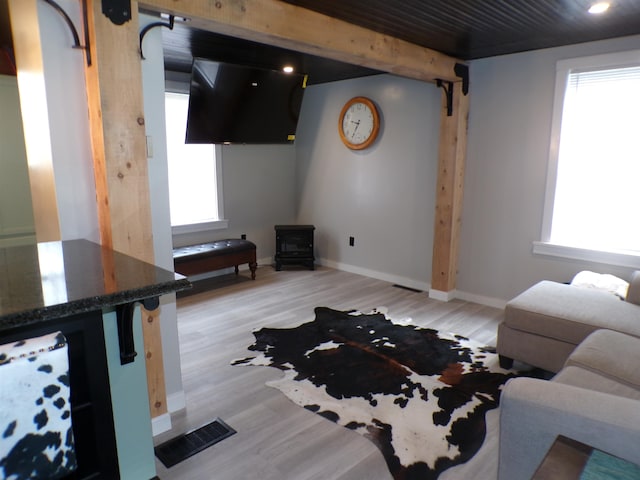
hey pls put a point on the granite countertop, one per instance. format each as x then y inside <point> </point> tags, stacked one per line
<point>57,279</point>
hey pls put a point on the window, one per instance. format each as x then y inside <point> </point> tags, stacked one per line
<point>194,184</point>
<point>594,164</point>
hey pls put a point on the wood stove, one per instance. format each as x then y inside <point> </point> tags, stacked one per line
<point>294,245</point>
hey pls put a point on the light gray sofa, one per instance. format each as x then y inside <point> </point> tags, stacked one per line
<point>594,399</point>
<point>543,325</point>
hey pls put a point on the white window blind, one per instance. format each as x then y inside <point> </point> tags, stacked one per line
<point>595,205</point>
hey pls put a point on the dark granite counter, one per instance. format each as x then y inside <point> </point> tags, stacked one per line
<point>52,280</point>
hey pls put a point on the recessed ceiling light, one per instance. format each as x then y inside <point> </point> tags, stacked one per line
<point>599,7</point>
<point>287,69</point>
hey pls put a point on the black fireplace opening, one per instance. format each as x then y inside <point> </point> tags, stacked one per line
<point>294,245</point>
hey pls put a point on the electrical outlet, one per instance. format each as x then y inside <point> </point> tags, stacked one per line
<point>352,241</point>
<point>243,236</point>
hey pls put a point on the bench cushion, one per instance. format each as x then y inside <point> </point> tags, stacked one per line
<point>569,313</point>
<point>207,257</point>
<point>213,249</point>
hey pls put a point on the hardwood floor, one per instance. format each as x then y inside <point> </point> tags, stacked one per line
<point>276,439</point>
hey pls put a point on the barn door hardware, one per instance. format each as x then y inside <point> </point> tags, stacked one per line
<point>124,316</point>
<point>146,29</point>
<point>461,71</point>
<point>118,11</point>
<point>72,27</point>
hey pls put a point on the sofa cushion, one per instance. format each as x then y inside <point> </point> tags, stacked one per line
<point>579,377</point>
<point>611,354</point>
<point>569,313</point>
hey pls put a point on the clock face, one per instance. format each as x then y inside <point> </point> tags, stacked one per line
<point>359,123</point>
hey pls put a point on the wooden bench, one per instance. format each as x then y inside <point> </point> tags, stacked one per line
<point>206,257</point>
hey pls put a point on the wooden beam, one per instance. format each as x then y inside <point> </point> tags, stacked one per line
<point>449,194</point>
<point>117,125</point>
<point>288,26</point>
<point>35,118</point>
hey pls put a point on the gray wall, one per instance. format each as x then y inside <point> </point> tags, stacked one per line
<point>508,146</point>
<point>383,196</point>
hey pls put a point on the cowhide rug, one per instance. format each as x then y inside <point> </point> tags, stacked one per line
<point>418,394</point>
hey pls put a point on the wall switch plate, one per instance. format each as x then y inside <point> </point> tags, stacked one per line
<point>149,146</point>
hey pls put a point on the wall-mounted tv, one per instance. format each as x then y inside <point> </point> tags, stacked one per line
<point>239,104</point>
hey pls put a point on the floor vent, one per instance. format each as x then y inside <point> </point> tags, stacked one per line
<point>407,288</point>
<point>188,444</point>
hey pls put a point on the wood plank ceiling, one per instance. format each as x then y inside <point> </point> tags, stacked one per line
<point>471,29</point>
<point>464,29</point>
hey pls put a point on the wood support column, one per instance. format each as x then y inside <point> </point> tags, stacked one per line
<point>117,124</point>
<point>449,193</point>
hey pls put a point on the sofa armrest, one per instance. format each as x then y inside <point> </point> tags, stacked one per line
<point>534,412</point>
<point>633,292</point>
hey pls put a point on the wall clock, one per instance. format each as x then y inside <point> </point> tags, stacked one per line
<point>359,123</point>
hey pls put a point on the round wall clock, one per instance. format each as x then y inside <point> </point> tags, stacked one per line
<point>359,123</point>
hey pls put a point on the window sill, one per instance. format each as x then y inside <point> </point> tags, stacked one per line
<point>623,259</point>
<point>199,227</point>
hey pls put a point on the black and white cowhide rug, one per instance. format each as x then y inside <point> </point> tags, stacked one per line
<point>418,394</point>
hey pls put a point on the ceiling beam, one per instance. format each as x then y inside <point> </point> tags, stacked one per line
<point>288,26</point>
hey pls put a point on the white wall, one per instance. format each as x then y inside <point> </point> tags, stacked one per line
<point>383,196</point>
<point>508,146</point>
<point>66,108</point>
<point>68,123</point>
<point>16,213</point>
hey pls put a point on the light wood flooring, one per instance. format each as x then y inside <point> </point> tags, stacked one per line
<point>276,439</point>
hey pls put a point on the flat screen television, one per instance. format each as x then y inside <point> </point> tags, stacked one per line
<point>239,104</point>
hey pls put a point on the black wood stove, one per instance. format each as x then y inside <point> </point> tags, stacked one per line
<point>294,245</point>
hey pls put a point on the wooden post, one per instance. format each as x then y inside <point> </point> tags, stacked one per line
<point>116,113</point>
<point>450,186</point>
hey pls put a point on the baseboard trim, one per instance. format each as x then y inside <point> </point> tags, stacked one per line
<point>442,296</point>
<point>387,277</point>
<point>481,299</point>
<point>160,424</point>
<point>423,286</point>
<point>176,401</point>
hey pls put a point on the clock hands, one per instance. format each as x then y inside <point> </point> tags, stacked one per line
<point>353,134</point>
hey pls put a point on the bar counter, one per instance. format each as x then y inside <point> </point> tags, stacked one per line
<point>56,279</point>
<point>91,294</point>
